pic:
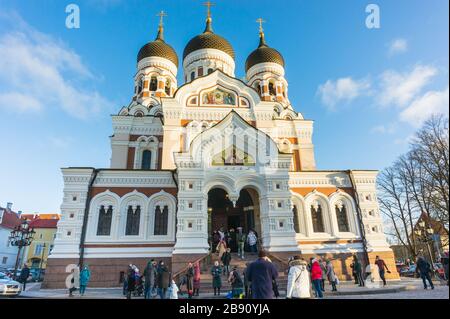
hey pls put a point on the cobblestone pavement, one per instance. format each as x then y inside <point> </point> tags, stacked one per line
<point>440,292</point>
<point>405,289</point>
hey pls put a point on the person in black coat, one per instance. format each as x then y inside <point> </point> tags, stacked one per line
<point>226,260</point>
<point>163,279</point>
<point>24,274</point>
<point>261,274</point>
<point>424,269</point>
<point>190,280</point>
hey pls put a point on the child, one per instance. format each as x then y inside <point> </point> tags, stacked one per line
<point>173,290</point>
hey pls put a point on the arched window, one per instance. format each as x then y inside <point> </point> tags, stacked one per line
<point>200,71</point>
<point>153,83</point>
<point>167,87</point>
<point>210,71</point>
<point>104,221</point>
<point>140,85</point>
<point>317,219</point>
<point>277,111</point>
<point>296,223</point>
<point>341,215</point>
<point>133,219</point>
<point>146,159</point>
<point>192,75</point>
<point>161,220</point>
<point>258,87</point>
<point>272,89</point>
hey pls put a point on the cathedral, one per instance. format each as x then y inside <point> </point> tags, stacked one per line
<point>212,152</point>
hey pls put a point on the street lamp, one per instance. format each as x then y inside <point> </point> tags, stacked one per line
<point>21,236</point>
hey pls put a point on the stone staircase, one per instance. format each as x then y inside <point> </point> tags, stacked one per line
<point>206,278</point>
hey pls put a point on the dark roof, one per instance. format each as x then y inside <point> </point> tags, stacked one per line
<point>10,219</point>
<point>263,54</point>
<point>208,40</point>
<point>158,48</point>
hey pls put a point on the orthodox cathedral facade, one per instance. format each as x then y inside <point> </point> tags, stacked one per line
<point>213,152</point>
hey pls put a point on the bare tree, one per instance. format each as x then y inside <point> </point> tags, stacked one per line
<point>397,204</point>
<point>431,151</point>
<point>418,182</point>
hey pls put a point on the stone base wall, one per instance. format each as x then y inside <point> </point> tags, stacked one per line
<point>105,272</point>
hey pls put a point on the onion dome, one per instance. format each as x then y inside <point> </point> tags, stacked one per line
<point>158,48</point>
<point>208,40</point>
<point>263,54</point>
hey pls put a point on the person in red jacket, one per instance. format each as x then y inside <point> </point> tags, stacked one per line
<point>316,277</point>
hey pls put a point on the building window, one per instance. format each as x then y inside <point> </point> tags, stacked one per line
<point>4,260</point>
<point>153,83</point>
<point>317,219</point>
<point>146,159</point>
<point>133,219</point>
<point>210,71</point>
<point>38,249</point>
<point>192,76</point>
<point>200,71</point>
<point>296,223</point>
<point>104,221</point>
<point>140,85</point>
<point>341,214</point>
<point>161,220</point>
<point>167,87</point>
<point>272,89</point>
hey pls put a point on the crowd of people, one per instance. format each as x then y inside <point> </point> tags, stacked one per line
<point>258,280</point>
<point>236,240</point>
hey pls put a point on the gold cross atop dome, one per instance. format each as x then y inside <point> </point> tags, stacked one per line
<point>161,16</point>
<point>208,4</point>
<point>260,21</point>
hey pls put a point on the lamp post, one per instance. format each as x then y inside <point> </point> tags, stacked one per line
<point>20,237</point>
<point>42,261</point>
<point>424,233</point>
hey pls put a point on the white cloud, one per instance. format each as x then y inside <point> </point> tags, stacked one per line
<point>40,72</point>
<point>19,102</point>
<point>430,103</point>
<point>398,46</point>
<point>343,89</point>
<point>399,89</point>
<point>384,129</point>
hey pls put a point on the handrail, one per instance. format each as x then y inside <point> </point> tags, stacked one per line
<point>177,274</point>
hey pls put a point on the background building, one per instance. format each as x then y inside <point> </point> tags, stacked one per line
<point>45,226</point>
<point>8,221</point>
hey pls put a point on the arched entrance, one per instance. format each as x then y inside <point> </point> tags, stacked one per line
<point>222,214</point>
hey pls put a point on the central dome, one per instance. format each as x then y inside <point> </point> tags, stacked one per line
<point>208,40</point>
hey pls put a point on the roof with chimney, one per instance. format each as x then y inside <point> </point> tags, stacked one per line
<point>8,218</point>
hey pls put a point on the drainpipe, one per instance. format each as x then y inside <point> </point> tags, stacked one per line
<point>86,216</point>
<point>359,214</point>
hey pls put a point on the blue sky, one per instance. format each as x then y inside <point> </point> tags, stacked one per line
<point>368,90</point>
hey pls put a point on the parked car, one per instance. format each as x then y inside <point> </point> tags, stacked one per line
<point>9,287</point>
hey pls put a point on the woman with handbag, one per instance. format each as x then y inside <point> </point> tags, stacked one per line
<point>299,285</point>
<point>331,275</point>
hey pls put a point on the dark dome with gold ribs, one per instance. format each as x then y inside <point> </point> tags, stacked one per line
<point>263,54</point>
<point>208,40</point>
<point>158,48</point>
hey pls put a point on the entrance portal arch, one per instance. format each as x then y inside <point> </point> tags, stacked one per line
<point>227,217</point>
